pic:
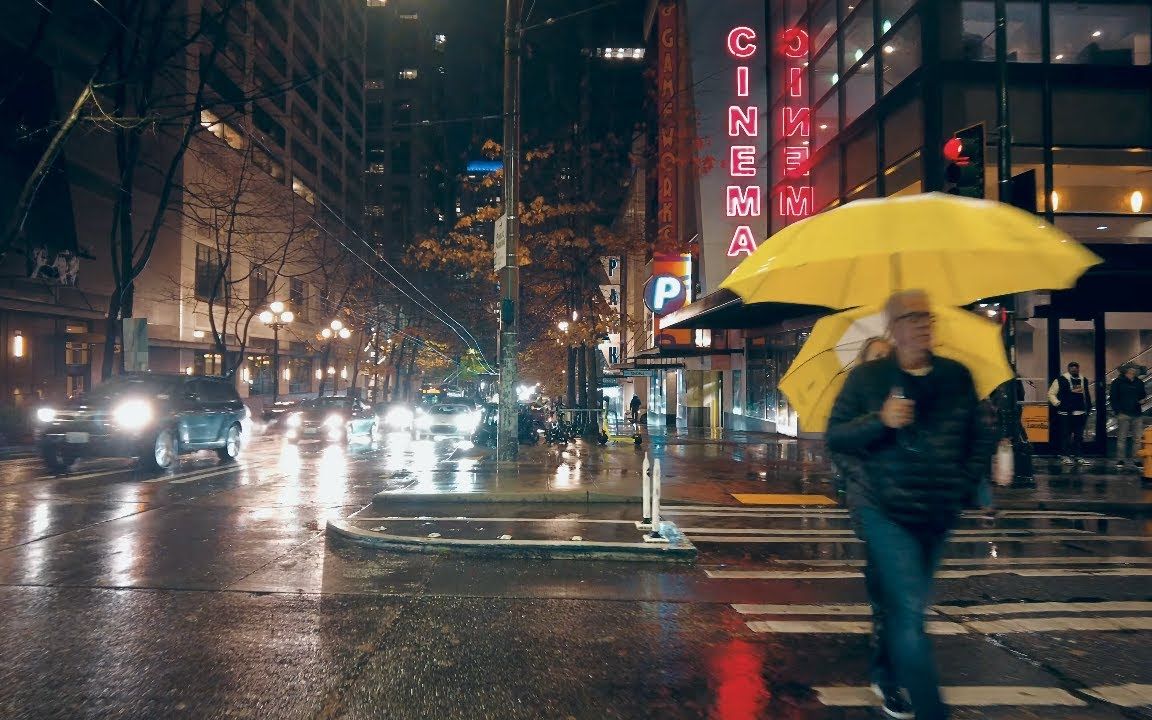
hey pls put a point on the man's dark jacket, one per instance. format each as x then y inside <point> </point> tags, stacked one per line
<point>1127,395</point>
<point>922,475</point>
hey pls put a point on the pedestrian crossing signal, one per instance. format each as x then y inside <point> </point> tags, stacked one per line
<point>964,152</point>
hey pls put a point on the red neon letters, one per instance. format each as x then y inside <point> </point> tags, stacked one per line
<point>794,194</point>
<point>743,201</point>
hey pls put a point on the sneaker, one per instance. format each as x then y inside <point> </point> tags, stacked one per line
<point>1083,461</point>
<point>894,704</point>
<point>1120,464</point>
<point>1067,460</point>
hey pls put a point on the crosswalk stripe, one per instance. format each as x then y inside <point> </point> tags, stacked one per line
<point>1044,607</point>
<point>964,695</point>
<point>959,610</point>
<point>1129,695</point>
<point>824,538</point>
<point>979,532</point>
<point>841,627</point>
<point>1012,561</point>
<point>947,627</point>
<point>944,574</point>
<point>816,512</point>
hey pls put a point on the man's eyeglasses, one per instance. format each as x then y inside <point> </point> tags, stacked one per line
<point>918,317</point>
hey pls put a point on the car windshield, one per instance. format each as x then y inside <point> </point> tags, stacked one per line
<point>448,409</point>
<point>326,403</point>
<point>154,386</point>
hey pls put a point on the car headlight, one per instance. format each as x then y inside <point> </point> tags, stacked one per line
<point>466,422</point>
<point>333,422</point>
<point>398,418</point>
<point>294,420</point>
<point>45,415</point>
<point>132,414</point>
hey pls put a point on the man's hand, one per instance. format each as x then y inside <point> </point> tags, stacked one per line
<point>897,413</point>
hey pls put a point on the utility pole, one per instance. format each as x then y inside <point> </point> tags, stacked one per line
<point>1004,157</point>
<point>508,431</point>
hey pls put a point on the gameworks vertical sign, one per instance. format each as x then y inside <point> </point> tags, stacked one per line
<point>667,229</point>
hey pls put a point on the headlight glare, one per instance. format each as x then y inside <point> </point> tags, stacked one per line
<point>45,415</point>
<point>293,420</point>
<point>333,421</point>
<point>398,418</point>
<point>132,414</point>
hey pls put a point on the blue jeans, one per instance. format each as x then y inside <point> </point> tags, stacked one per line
<point>901,564</point>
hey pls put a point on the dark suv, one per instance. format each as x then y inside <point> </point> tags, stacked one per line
<point>148,415</point>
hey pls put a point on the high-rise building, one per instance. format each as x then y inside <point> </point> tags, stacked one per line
<point>281,84</point>
<point>407,181</point>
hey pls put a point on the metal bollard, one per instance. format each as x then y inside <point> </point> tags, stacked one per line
<point>655,536</point>
<point>646,495</point>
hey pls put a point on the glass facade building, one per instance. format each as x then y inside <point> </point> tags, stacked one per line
<point>887,82</point>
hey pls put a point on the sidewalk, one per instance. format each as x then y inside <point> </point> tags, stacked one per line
<point>582,500</point>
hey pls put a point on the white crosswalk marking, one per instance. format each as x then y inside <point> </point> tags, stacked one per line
<point>1129,695</point>
<point>973,696</point>
<point>945,574</point>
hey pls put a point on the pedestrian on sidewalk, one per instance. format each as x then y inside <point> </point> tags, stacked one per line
<point>914,424</point>
<point>1070,395</point>
<point>634,408</point>
<point>1126,396</point>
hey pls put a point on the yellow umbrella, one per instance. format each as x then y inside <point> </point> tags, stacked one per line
<point>817,374</point>
<point>958,249</point>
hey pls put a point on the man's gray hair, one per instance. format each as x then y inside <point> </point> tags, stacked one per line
<point>895,304</point>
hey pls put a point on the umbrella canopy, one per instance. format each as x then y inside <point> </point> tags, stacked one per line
<point>957,249</point>
<point>818,372</point>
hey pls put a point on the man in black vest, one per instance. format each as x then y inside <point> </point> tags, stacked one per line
<point>1071,397</point>
<point>913,424</point>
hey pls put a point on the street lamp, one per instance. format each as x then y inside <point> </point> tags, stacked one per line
<point>335,331</point>
<point>276,317</point>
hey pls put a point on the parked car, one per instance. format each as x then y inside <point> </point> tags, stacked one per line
<point>275,413</point>
<point>447,419</point>
<point>152,416</point>
<point>331,419</point>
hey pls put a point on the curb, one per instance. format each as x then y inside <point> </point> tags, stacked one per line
<point>1106,506</point>
<point>678,550</point>
<point>546,496</point>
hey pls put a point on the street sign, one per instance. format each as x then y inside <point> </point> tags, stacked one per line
<point>500,243</point>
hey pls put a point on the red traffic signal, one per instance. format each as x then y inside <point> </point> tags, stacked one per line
<point>954,151</point>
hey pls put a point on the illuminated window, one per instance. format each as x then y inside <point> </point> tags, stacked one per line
<point>212,123</point>
<point>303,190</point>
<point>408,74</point>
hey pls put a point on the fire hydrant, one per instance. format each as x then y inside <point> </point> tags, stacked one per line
<point>1146,452</point>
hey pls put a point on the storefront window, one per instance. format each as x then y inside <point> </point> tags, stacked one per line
<point>823,25</point>
<point>1076,119</point>
<point>901,54</point>
<point>903,131</point>
<point>299,375</point>
<point>891,11</point>
<point>824,75</point>
<point>766,361</point>
<point>858,38</point>
<point>978,28</point>
<point>860,159</point>
<point>826,121</point>
<point>1100,34</point>
<point>905,178</point>
<point>859,93</point>
<point>826,179</point>
<point>1102,181</point>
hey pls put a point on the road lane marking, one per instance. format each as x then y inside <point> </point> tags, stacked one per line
<point>943,574</point>
<point>964,695</point>
<point>1129,695</point>
<point>746,609</point>
<point>793,538</point>
<point>766,511</point>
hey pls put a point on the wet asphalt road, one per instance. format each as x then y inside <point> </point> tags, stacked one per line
<point>210,592</point>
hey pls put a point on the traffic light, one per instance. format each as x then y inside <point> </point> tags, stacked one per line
<point>964,152</point>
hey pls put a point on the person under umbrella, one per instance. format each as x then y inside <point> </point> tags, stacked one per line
<point>914,424</point>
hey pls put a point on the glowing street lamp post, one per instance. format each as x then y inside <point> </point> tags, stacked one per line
<point>276,317</point>
<point>335,330</point>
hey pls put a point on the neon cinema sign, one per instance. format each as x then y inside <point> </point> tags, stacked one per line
<point>742,200</point>
<point>794,194</point>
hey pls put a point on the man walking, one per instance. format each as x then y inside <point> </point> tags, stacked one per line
<point>1126,395</point>
<point>1070,395</point>
<point>913,422</point>
<point>634,409</point>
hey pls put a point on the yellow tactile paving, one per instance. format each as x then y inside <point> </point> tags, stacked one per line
<point>782,499</point>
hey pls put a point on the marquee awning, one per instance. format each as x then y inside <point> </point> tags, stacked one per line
<point>724,310</point>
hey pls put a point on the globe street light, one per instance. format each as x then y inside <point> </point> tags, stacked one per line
<point>276,317</point>
<point>333,332</point>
